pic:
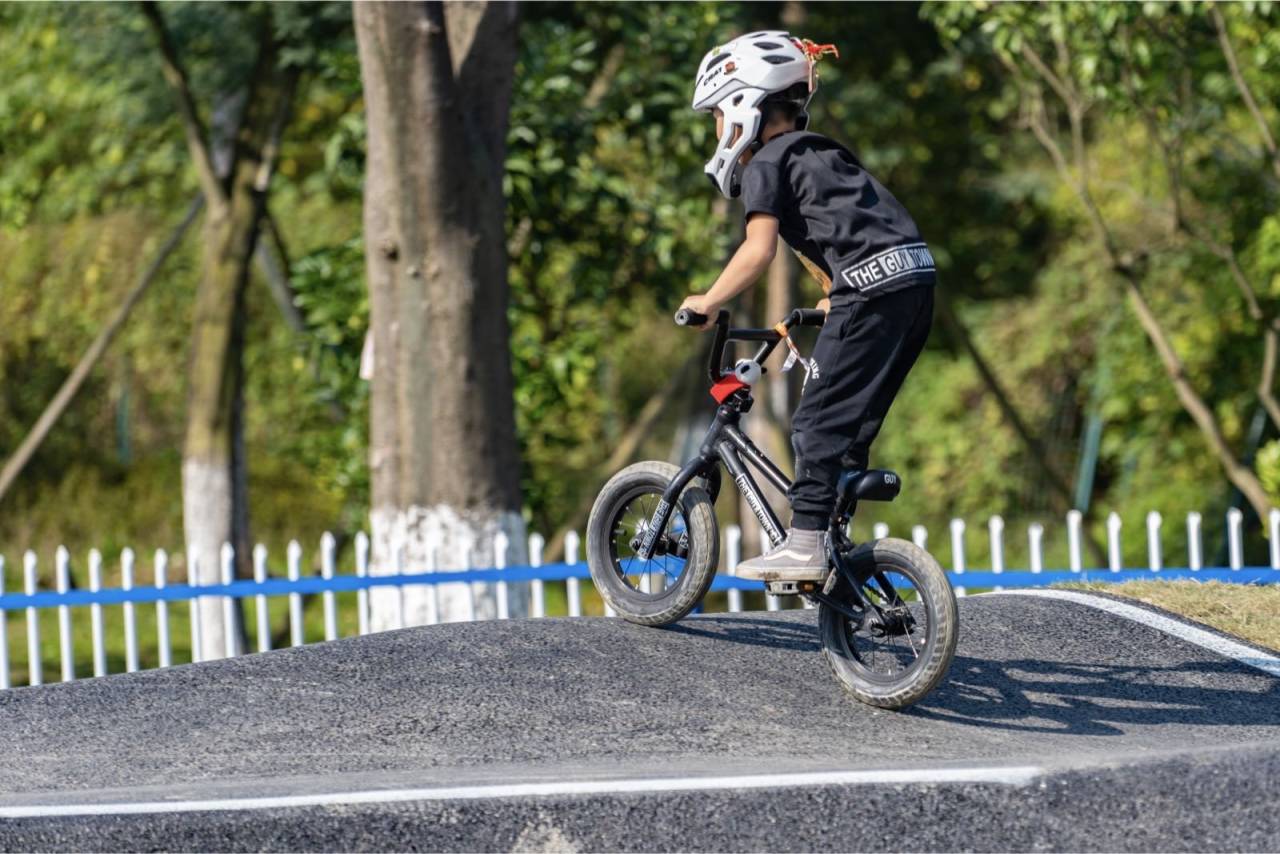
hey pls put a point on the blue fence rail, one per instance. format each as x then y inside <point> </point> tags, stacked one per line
<point>21,611</point>
<point>561,571</point>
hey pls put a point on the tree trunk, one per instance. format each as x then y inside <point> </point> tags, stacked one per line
<point>214,495</point>
<point>443,457</point>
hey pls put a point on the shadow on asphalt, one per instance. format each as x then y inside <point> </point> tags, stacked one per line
<point>753,631</point>
<point>1037,695</point>
<point>1030,695</point>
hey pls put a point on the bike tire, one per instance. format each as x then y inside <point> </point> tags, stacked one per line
<point>939,601</point>
<point>676,601</point>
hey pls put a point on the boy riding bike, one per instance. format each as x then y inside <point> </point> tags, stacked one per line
<point>851,234</point>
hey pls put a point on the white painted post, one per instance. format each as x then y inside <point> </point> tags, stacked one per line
<point>4,636</point>
<point>1155,560</point>
<point>879,531</point>
<point>920,536</point>
<point>957,550</point>
<point>1235,538</point>
<point>995,530</point>
<point>1114,560</point>
<point>362,571</point>
<point>328,560</point>
<point>193,577</point>
<point>262,615</point>
<point>1035,539</point>
<point>165,650</point>
<point>401,612</point>
<point>127,562</point>
<point>95,615</point>
<point>572,593</point>
<point>465,558</point>
<point>293,560</point>
<point>537,596</point>
<point>733,554</point>
<point>500,544</point>
<point>1195,553</point>
<point>35,667</point>
<point>227,574</point>
<point>432,590</point>
<point>62,577</point>
<point>1273,516</point>
<point>62,570</point>
<point>1075,520</point>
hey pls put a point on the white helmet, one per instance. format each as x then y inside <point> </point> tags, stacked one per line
<point>737,77</point>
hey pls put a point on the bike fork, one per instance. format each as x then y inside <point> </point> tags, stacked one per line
<point>662,513</point>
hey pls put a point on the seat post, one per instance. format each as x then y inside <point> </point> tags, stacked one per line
<point>843,511</point>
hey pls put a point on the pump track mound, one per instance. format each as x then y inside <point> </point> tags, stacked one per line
<point>1067,722</point>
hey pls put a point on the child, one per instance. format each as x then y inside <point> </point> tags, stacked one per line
<point>850,233</point>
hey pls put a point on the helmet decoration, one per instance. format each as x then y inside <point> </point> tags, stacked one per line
<point>738,77</point>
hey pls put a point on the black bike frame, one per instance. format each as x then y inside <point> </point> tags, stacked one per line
<point>724,444</point>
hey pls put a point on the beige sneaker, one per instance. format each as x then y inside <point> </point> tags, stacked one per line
<point>802,556</point>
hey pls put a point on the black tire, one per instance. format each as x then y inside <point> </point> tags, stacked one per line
<point>851,650</point>
<point>644,483</point>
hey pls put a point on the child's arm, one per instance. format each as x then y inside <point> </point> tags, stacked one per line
<point>742,271</point>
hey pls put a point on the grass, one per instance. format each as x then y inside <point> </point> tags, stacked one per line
<point>1248,611</point>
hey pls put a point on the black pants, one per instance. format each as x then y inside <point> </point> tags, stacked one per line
<point>863,354</point>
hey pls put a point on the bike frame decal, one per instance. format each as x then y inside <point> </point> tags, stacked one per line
<point>751,492</point>
<point>663,512</point>
<point>756,503</point>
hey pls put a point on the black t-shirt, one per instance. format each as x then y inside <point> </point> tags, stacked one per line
<point>850,232</point>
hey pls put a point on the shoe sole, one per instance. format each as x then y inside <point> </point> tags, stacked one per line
<point>783,574</point>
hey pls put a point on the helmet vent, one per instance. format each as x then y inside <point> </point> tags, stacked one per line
<point>778,59</point>
<point>717,60</point>
<point>737,100</point>
<point>768,45</point>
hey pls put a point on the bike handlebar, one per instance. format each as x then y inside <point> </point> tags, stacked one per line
<point>689,317</point>
<point>770,337</point>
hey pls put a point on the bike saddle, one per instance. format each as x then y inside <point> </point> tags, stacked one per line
<point>869,485</point>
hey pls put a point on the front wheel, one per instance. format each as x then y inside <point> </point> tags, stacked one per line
<point>896,652</point>
<point>666,587</point>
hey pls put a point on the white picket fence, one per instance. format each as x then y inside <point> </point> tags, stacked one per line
<point>570,574</point>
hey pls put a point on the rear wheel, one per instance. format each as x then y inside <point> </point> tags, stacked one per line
<point>666,587</point>
<point>895,653</point>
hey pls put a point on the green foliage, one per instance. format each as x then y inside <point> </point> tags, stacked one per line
<point>333,445</point>
<point>611,222</point>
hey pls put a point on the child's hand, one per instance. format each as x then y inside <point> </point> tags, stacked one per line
<point>702,305</point>
<point>824,305</point>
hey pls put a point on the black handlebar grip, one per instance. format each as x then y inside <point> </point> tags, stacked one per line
<point>811,316</point>
<point>688,317</point>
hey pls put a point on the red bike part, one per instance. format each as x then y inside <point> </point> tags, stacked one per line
<point>726,386</point>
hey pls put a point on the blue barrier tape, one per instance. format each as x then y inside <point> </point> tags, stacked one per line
<point>562,571</point>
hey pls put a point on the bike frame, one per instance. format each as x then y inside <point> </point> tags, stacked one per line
<point>725,444</point>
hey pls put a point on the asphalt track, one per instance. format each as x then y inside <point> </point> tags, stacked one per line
<point>1060,727</point>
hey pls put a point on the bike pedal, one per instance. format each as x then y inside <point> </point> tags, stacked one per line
<point>791,588</point>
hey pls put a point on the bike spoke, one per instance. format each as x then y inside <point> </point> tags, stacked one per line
<point>664,567</point>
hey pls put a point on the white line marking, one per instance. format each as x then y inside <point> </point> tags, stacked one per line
<point>1019,775</point>
<point>1222,646</point>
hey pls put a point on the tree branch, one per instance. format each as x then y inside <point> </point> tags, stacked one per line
<point>197,144</point>
<point>1240,476</point>
<point>623,450</point>
<point>1246,93</point>
<point>1039,454</point>
<point>44,424</point>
